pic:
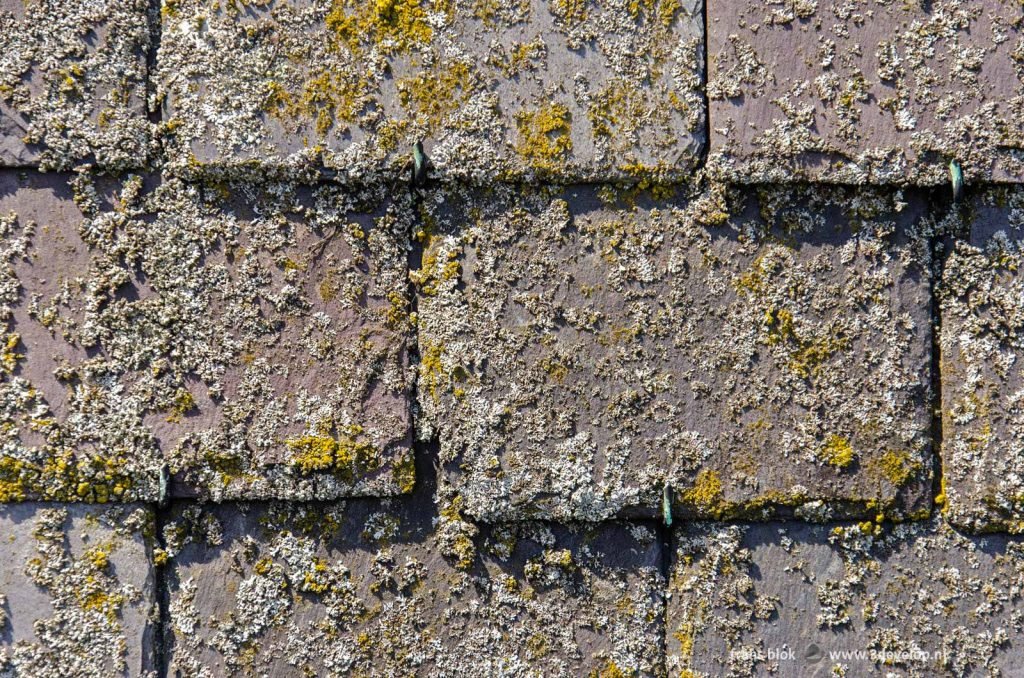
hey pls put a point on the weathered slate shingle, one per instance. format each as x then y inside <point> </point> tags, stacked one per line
<point>362,588</point>
<point>575,90</point>
<point>253,338</point>
<point>579,352</point>
<point>865,92</point>
<point>789,599</point>
<point>982,338</point>
<point>73,82</point>
<point>77,591</point>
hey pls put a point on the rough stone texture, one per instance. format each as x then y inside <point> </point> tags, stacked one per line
<point>581,350</point>
<point>982,306</point>
<point>913,600</point>
<point>251,337</point>
<point>77,591</point>
<point>73,82</point>
<point>863,91</point>
<point>363,588</point>
<point>573,89</point>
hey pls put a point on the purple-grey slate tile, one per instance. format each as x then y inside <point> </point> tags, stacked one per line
<point>750,353</point>
<point>77,591</point>
<point>247,340</point>
<point>981,342</point>
<point>391,587</point>
<point>525,89</point>
<point>73,83</point>
<point>865,92</point>
<point>791,599</point>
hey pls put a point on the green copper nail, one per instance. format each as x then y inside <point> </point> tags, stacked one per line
<point>419,164</point>
<point>956,175</point>
<point>666,504</point>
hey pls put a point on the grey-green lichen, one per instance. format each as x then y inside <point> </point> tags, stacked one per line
<point>79,592</point>
<point>251,336</point>
<point>916,599</point>
<point>982,329</point>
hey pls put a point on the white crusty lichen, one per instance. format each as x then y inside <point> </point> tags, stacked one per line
<point>252,336</point>
<point>863,93</point>
<point>980,299</point>
<point>85,595</point>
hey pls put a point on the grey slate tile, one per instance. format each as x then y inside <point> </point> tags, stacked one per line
<point>364,588</point>
<point>981,342</point>
<point>789,599</point>
<point>251,337</point>
<point>577,90</point>
<point>73,83</point>
<point>581,350</point>
<point>865,92</point>
<point>77,591</point>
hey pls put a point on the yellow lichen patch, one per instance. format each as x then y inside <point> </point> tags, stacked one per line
<point>397,312</point>
<point>184,402</point>
<point>325,98</point>
<point>611,670</point>
<point>8,357</point>
<point>896,466</point>
<point>431,369</point>
<point>663,11</point>
<point>346,457</point>
<point>706,493</point>
<point>392,26</point>
<point>571,12</point>
<point>432,95</point>
<point>544,139</point>
<point>837,452</point>
<point>404,472</point>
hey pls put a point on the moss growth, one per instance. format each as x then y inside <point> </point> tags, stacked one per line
<point>837,452</point>
<point>544,136</point>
